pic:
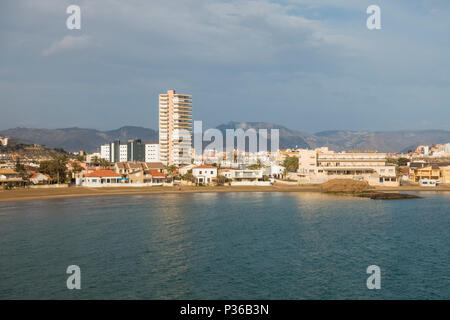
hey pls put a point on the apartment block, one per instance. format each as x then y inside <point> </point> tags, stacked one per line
<point>321,165</point>
<point>116,151</point>
<point>175,128</point>
<point>152,152</point>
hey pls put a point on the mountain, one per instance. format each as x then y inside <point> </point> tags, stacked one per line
<point>383,141</point>
<point>75,139</point>
<point>288,138</point>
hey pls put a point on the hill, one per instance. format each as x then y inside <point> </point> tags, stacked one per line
<point>74,139</point>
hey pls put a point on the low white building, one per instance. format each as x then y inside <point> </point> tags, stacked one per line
<point>204,173</point>
<point>101,178</point>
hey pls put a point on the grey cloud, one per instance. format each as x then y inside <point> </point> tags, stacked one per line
<point>68,44</point>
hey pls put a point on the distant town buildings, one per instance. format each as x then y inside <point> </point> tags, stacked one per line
<point>175,128</point>
<point>133,150</point>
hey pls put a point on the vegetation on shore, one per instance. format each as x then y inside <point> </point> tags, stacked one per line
<point>360,189</point>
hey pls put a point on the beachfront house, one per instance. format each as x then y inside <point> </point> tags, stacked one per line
<point>10,176</point>
<point>101,178</point>
<point>204,174</point>
<point>40,178</point>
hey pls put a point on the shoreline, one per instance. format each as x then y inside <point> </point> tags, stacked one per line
<point>73,192</point>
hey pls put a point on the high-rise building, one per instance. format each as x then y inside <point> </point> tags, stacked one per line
<point>175,128</point>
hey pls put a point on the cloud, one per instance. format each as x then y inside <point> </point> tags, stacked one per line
<point>67,44</point>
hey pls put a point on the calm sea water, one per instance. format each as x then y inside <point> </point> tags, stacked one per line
<point>226,246</point>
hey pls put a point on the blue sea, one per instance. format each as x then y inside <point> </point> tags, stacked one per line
<point>226,246</point>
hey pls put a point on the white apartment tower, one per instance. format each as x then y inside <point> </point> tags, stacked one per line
<point>175,128</point>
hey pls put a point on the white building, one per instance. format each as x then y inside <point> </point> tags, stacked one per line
<point>105,151</point>
<point>128,151</point>
<point>90,157</point>
<point>204,173</point>
<point>152,152</point>
<point>321,165</point>
<point>175,128</point>
<point>123,152</point>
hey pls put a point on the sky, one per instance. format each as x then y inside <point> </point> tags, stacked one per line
<point>306,64</point>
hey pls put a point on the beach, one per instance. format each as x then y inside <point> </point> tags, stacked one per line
<point>53,193</point>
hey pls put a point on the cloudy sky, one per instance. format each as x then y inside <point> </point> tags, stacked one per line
<point>307,64</point>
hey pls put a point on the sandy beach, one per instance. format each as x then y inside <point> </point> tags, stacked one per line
<point>54,193</point>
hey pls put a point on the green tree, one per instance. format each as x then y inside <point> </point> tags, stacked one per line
<point>20,169</point>
<point>56,168</point>
<point>290,163</point>
<point>402,162</point>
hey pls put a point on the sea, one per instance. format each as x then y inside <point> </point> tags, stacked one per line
<point>256,245</point>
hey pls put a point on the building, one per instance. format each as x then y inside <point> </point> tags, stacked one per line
<point>125,168</point>
<point>92,156</point>
<point>101,178</point>
<point>152,152</point>
<point>321,165</point>
<point>40,178</point>
<point>445,174</point>
<point>116,151</point>
<point>204,174</point>
<point>420,171</point>
<point>175,128</point>
<point>10,176</point>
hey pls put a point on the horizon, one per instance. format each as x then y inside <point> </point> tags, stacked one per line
<point>231,122</point>
<point>304,64</point>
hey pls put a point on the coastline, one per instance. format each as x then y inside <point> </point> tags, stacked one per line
<point>72,192</point>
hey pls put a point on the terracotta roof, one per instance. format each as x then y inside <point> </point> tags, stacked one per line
<point>154,165</point>
<point>102,173</point>
<point>157,174</point>
<point>8,171</point>
<point>204,166</point>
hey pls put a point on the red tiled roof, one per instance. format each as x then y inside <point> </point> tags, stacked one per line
<point>102,173</point>
<point>157,174</point>
<point>7,171</point>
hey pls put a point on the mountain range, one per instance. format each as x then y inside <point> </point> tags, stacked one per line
<point>75,139</point>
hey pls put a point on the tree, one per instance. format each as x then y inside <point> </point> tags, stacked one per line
<point>221,179</point>
<point>171,169</point>
<point>189,176</point>
<point>56,168</point>
<point>290,163</point>
<point>76,167</point>
<point>20,169</point>
<point>402,162</point>
<point>256,165</point>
